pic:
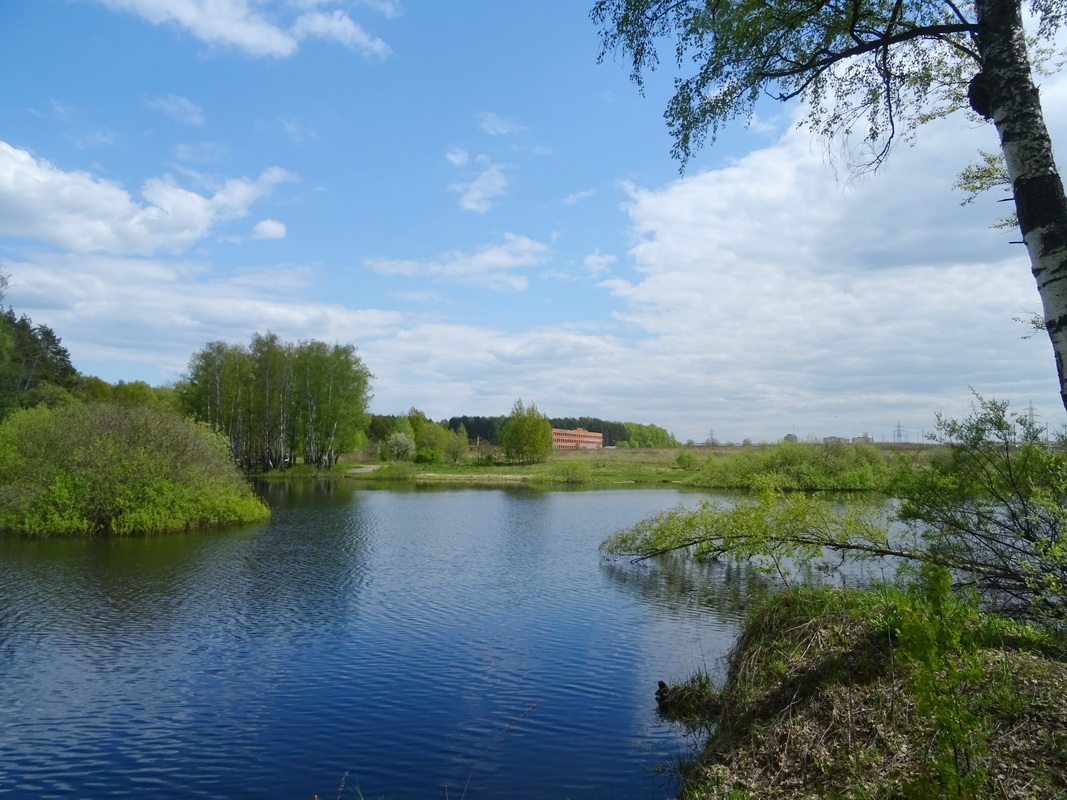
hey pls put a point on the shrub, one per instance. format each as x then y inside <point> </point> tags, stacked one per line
<point>111,469</point>
<point>685,460</point>
<point>427,455</point>
<point>798,465</point>
<point>570,472</point>
<point>400,446</point>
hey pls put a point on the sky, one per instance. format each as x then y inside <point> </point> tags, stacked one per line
<point>462,192</point>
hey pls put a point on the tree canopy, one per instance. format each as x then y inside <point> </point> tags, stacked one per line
<point>527,435</point>
<point>35,368</point>
<point>277,401</point>
<point>873,68</point>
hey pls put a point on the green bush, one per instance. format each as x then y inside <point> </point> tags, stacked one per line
<point>569,472</point>
<point>427,455</point>
<point>685,460</point>
<point>796,465</point>
<point>112,469</point>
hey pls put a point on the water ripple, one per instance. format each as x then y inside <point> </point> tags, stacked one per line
<point>417,641</point>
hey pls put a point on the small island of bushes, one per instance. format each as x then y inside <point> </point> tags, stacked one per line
<point>110,468</point>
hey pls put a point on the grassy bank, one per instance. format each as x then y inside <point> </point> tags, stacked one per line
<point>794,466</point>
<point>881,694</point>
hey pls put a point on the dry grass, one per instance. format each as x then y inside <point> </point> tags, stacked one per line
<point>818,704</point>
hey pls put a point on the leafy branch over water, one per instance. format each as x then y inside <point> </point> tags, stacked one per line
<point>990,507</point>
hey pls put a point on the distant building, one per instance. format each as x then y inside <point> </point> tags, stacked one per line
<point>579,438</point>
<point>835,440</point>
<point>865,439</point>
<point>790,437</point>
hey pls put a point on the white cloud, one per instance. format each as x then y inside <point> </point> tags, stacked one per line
<point>457,157</point>
<point>286,278</point>
<point>492,267</point>
<point>571,199</point>
<point>598,263</point>
<point>495,125</point>
<point>269,229</point>
<point>178,108</point>
<point>387,8</point>
<point>251,26</point>
<point>779,294</point>
<point>216,22</point>
<point>765,298</point>
<point>152,315</point>
<point>339,27</point>
<point>478,194</point>
<point>77,212</point>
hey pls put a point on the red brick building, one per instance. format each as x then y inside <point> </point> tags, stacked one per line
<point>578,438</point>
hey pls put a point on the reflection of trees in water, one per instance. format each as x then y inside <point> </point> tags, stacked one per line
<point>682,585</point>
<point>296,491</point>
<point>307,563</point>
<point>726,588</point>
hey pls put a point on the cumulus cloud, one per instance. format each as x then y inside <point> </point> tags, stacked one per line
<point>151,314</point>
<point>269,229</point>
<point>492,267</point>
<point>765,298</point>
<point>77,212</point>
<point>258,29</point>
<point>178,108</point>
<point>784,294</point>
<point>479,193</point>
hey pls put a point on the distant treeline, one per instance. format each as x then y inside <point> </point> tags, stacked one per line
<point>488,430</point>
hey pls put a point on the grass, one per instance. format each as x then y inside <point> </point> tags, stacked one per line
<point>578,467</point>
<point>801,466</point>
<point>824,699</point>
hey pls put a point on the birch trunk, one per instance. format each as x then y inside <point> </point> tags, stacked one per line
<point>1015,107</point>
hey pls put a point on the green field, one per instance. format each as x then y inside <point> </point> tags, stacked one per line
<point>794,465</point>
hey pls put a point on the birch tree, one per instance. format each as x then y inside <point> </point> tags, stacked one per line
<point>276,401</point>
<point>872,68</point>
<point>527,435</point>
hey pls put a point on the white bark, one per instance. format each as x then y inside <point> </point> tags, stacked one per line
<point>1015,106</point>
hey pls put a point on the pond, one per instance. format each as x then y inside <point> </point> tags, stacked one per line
<point>363,643</point>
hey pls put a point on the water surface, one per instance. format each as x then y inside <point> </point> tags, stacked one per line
<point>412,643</point>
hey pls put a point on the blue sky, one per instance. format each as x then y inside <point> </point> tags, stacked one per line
<point>462,192</point>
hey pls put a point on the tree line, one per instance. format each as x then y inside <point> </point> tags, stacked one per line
<point>490,430</point>
<point>35,368</point>
<point>279,403</point>
<point>276,401</point>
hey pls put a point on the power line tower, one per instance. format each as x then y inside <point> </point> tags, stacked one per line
<point>900,436</point>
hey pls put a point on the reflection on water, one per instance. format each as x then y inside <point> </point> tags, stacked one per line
<point>420,642</point>
<point>680,585</point>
